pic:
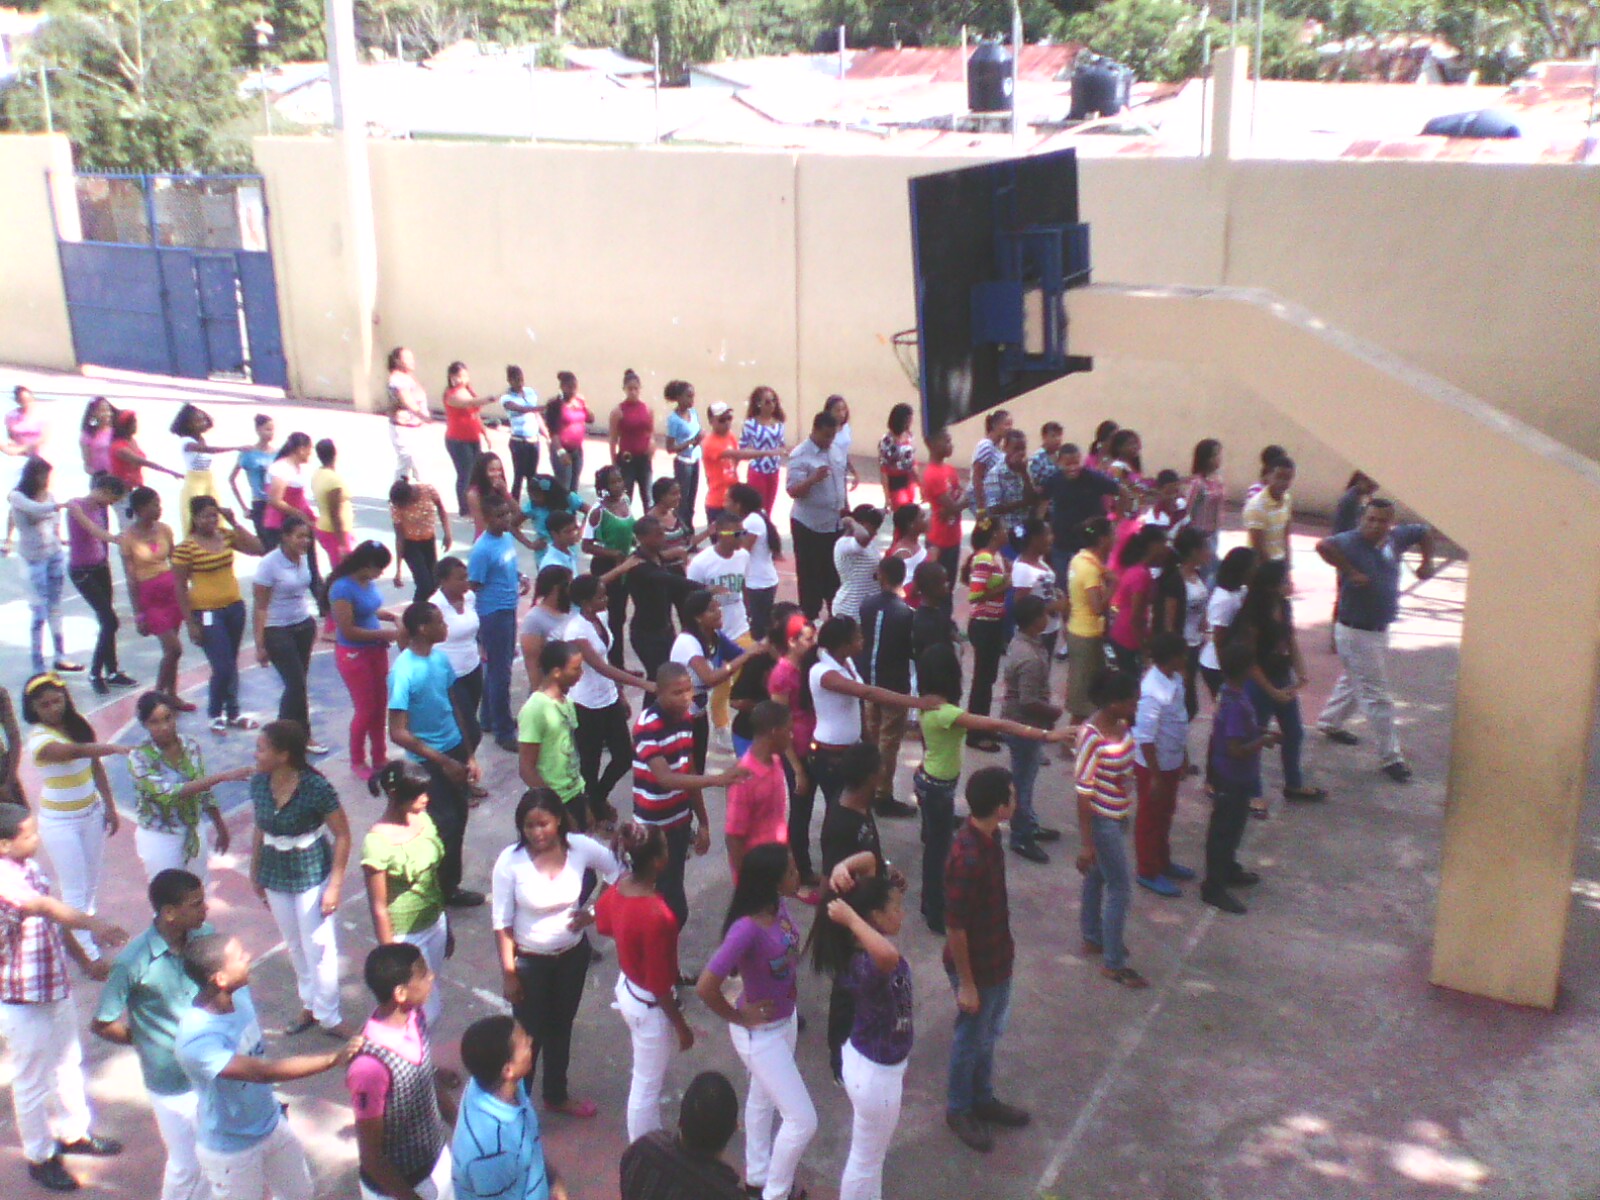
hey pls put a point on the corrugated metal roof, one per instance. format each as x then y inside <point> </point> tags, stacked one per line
<point>943,63</point>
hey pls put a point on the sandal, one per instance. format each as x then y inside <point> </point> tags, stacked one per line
<point>581,1109</point>
<point>1306,794</point>
<point>1259,810</point>
<point>243,722</point>
<point>305,1022</point>
<point>1125,977</point>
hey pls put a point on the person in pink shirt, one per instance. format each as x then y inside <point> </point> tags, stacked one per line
<point>758,805</point>
<point>567,417</point>
<point>404,1106</point>
<point>1142,561</point>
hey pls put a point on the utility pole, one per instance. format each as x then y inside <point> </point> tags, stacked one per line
<point>355,213</point>
<point>1016,74</point>
<point>44,93</point>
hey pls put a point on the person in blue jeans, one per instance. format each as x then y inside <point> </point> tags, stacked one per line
<point>1266,625</point>
<point>1104,775</point>
<point>978,956</point>
<point>492,571</point>
<point>1025,673</point>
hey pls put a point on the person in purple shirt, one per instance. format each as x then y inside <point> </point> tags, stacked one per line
<point>760,942</point>
<point>1233,768</point>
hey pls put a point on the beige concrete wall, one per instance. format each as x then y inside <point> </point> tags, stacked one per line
<point>34,329</point>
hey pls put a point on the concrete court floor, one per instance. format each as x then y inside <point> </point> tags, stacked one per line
<point>1296,1052</point>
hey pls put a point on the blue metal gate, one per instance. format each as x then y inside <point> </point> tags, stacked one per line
<point>172,275</point>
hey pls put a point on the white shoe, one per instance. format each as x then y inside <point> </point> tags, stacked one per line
<point>316,748</point>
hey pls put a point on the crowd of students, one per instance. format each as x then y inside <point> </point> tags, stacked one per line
<point>1074,553</point>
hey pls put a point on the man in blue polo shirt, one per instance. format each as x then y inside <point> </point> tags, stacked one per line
<point>492,571</point>
<point>145,995</point>
<point>424,722</point>
<point>1368,561</point>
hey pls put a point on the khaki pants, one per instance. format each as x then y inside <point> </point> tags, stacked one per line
<point>721,714</point>
<point>884,726</point>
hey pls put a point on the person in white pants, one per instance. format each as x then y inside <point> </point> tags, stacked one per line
<point>173,793</point>
<point>38,1019</point>
<point>763,945</point>
<point>140,1006</point>
<point>295,871</point>
<point>1368,560</point>
<point>245,1146</point>
<point>636,915</point>
<point>853,947</point>
<point>76,813</point>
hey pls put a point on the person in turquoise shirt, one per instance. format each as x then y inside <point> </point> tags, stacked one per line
<point>255,462</point>
<point>544,500</point>
<point>492,571</point>
<point>683,443</point>
<point>497,1151</point>
<point>146,993</point>
<point>562,550</point>
<point>243,1138</point>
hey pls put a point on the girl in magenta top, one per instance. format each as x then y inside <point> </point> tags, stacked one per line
<point>1142,558</point>
<point>761,942</point>
<point>94,437</point>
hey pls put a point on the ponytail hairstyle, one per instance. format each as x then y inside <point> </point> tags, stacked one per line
<point>35,477</point>
<point>554,580</point>
<point>295,442</point>
<point>695,606</point>
<point>370,555</point>
<point>778,635</point>
<point>748,501</point>
<point>399,781</point>
<point>289,738</point>
<point>584,589</point>
<point>760,883</point>
<point>1119,443</point>
<point>1103,433</point>
<point>642,847</point>
<point>832,945</point>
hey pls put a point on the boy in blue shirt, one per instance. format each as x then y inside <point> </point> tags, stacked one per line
<point>492,570</point>
<point>497,1150</point>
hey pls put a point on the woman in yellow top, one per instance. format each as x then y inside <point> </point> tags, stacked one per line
<point>76,814</point>
<point>147,546</point>
<point>336,520</point>
<point>213,608</point>
<point>191,426</point>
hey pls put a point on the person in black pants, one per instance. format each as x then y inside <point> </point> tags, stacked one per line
<point>602,727</point>
<point>817,492</point>
<point>285,629</point>
<point>92,516</point>
<point>655,587</point>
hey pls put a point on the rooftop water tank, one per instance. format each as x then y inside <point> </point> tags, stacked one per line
<point>989,78</point>
<point>1099,87</point>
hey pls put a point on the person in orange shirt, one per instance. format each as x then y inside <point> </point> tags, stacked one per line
<point>722,456</point>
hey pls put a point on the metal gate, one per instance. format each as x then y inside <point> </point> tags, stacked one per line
<point>172,275</point>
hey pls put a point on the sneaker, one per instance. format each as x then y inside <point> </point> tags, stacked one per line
<point>317,748</point>
<point>182,705</point>
<point>1398,772</point>
<point>1341,737</point>
<point>893,808</point>
<point>92,1147</point>
<point>1160,885</point>
<point>219,724</point>
<point>1178,871</point>
<point>52,1175</point>
<point>1026,848</point>
<point>121,679</point>
<point>1223,899</point>
<point>997,1112</point>
<point>67,667</point>
<point>971,1131</point>
<point>1043,833</point>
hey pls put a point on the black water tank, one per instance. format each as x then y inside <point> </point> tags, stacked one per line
<point>989,78</point>
<point>1099,87</point>
<point>1481,123</point>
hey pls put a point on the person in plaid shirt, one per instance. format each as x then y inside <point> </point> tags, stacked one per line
<point>37,1017</point>
<point>978,955</point>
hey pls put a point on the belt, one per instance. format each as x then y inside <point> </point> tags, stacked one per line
<point>303,841</point>
<point>651,1002</point>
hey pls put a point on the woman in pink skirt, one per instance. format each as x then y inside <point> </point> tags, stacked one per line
<point>147,556</point>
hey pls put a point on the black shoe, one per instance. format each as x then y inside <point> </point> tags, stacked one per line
<point>1043,833</point>
<point>1398,772</point>
<point>98,683</point>
<point>895,808</point>
<point>52,1176</point>
<point>1028,850</point>
<point>464,898</point>
<point>971,1131</point>
<point>1342,737</point>
<point>1223,899</point>
<point>997,1112</point>
<point>121,679</point>
<point>1239,877</point>
<point>91,1146</point>
<point>508,744</point>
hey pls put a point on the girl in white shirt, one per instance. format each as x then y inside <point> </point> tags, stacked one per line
<point>539,924</point>
<point>602,712</point>
<point>1227,598</point>
<point>766,549</point>
<point>1032,574</point>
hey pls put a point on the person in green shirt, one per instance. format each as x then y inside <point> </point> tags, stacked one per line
<point>139,1006</point>
<point>944,735</point>
<point>546,730</point>
<point>400,857</point>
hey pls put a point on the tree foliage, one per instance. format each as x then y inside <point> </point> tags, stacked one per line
<point>137,85</point>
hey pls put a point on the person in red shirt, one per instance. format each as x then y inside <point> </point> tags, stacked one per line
<point>721,455</point>
<point>635,916</point>
<point>463,427</point>
<point>942,489</point>
<point>633,438</point>
<point>758,805</point>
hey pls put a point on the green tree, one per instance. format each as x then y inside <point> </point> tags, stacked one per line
<point>690,31</point>
<point>1164,40</point>
<point>138,85</point>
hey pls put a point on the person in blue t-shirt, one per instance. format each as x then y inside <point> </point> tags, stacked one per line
<point>425,722</point>
<point>1368,561</point>
<point>244,1144</point>
<point>364,631</point>
<point>561,550</point>
<point>492,571</point>
<point>497,1151</point>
